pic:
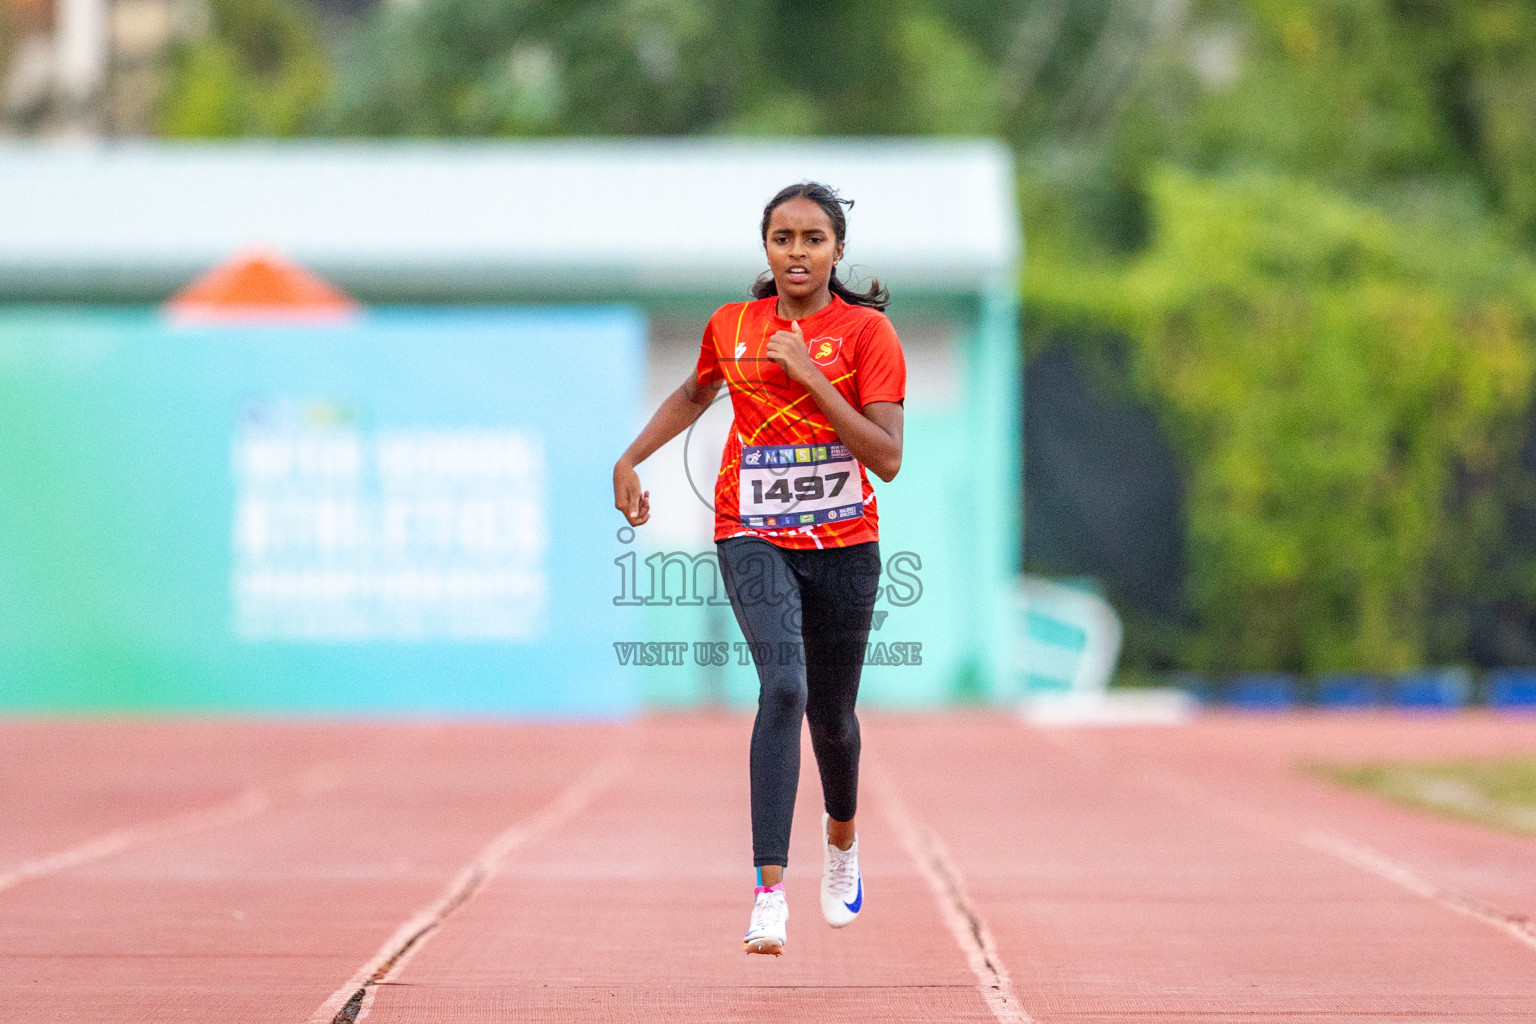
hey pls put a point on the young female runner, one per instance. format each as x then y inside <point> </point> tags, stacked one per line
<point>817,381</point>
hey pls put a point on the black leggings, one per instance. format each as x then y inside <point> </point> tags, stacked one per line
<point>806,615</point>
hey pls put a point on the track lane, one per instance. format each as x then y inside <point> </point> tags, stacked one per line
<point>260,919</point>
<point>1111,901</point>
<point>634,912</point>
<point>973,936</point>
<point>353,1000</point>
<point>1120,875</point>
<point>69,784</point>
<point>1244,759</point>
<point>247,804</point>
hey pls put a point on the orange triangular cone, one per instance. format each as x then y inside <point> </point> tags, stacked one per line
<point>261,287</point>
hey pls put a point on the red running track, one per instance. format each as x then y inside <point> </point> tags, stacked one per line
<point>296,873</point>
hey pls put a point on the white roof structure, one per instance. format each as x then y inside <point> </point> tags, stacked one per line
<point>466,220</point>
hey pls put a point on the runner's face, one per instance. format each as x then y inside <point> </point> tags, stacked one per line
<point>802,250</point>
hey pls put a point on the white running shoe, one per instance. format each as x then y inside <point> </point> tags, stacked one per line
<point>842,886</point>
<point>766,933</point>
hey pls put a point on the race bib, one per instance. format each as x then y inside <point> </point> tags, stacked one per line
<point>785,486</point>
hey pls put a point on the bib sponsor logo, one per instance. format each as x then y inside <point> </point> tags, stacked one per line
<point>824,351</point>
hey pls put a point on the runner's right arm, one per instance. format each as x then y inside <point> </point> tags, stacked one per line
<point>677,413</point>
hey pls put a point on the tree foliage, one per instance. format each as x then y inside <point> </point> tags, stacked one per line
<point>623,67</point>
<point>1332,378</point>
<point>260,69</point>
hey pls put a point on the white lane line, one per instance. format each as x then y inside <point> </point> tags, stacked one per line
<point>1352,852</point>
<point>948,886</point>
<point>352,1001</point>
<point>1521,929</point>
<point>247,804</point>
<point>1357,854</point>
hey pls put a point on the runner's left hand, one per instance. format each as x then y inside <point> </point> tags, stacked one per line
<point>787,348</point>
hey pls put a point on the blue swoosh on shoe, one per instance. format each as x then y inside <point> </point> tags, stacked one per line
<point>858,901</point>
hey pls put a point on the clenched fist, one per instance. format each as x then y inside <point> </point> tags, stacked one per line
<point>787,348</point>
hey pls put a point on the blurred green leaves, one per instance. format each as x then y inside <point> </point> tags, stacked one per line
<point>1357,94</point>
<point>668,67</point>
<point>1330,376</point>
<point>438,68</point>
<point>946,88</point>
<point>259,69</point>
<point>1333,88</point>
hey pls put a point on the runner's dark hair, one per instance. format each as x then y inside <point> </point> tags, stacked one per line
<point>832,204</point>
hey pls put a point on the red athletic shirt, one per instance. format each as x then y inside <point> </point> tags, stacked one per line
<point>798,477</point>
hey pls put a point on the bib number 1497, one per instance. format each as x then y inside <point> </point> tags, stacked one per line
<point>800,488</point>
<point>785,486</point>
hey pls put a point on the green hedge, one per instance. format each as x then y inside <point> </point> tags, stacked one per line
<point>1344,392</point>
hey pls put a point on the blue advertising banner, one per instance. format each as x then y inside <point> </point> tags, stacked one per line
<point>395,514</point>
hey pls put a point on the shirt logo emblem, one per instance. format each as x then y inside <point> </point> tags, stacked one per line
<point>741,349</point>
<point>824,351</point>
